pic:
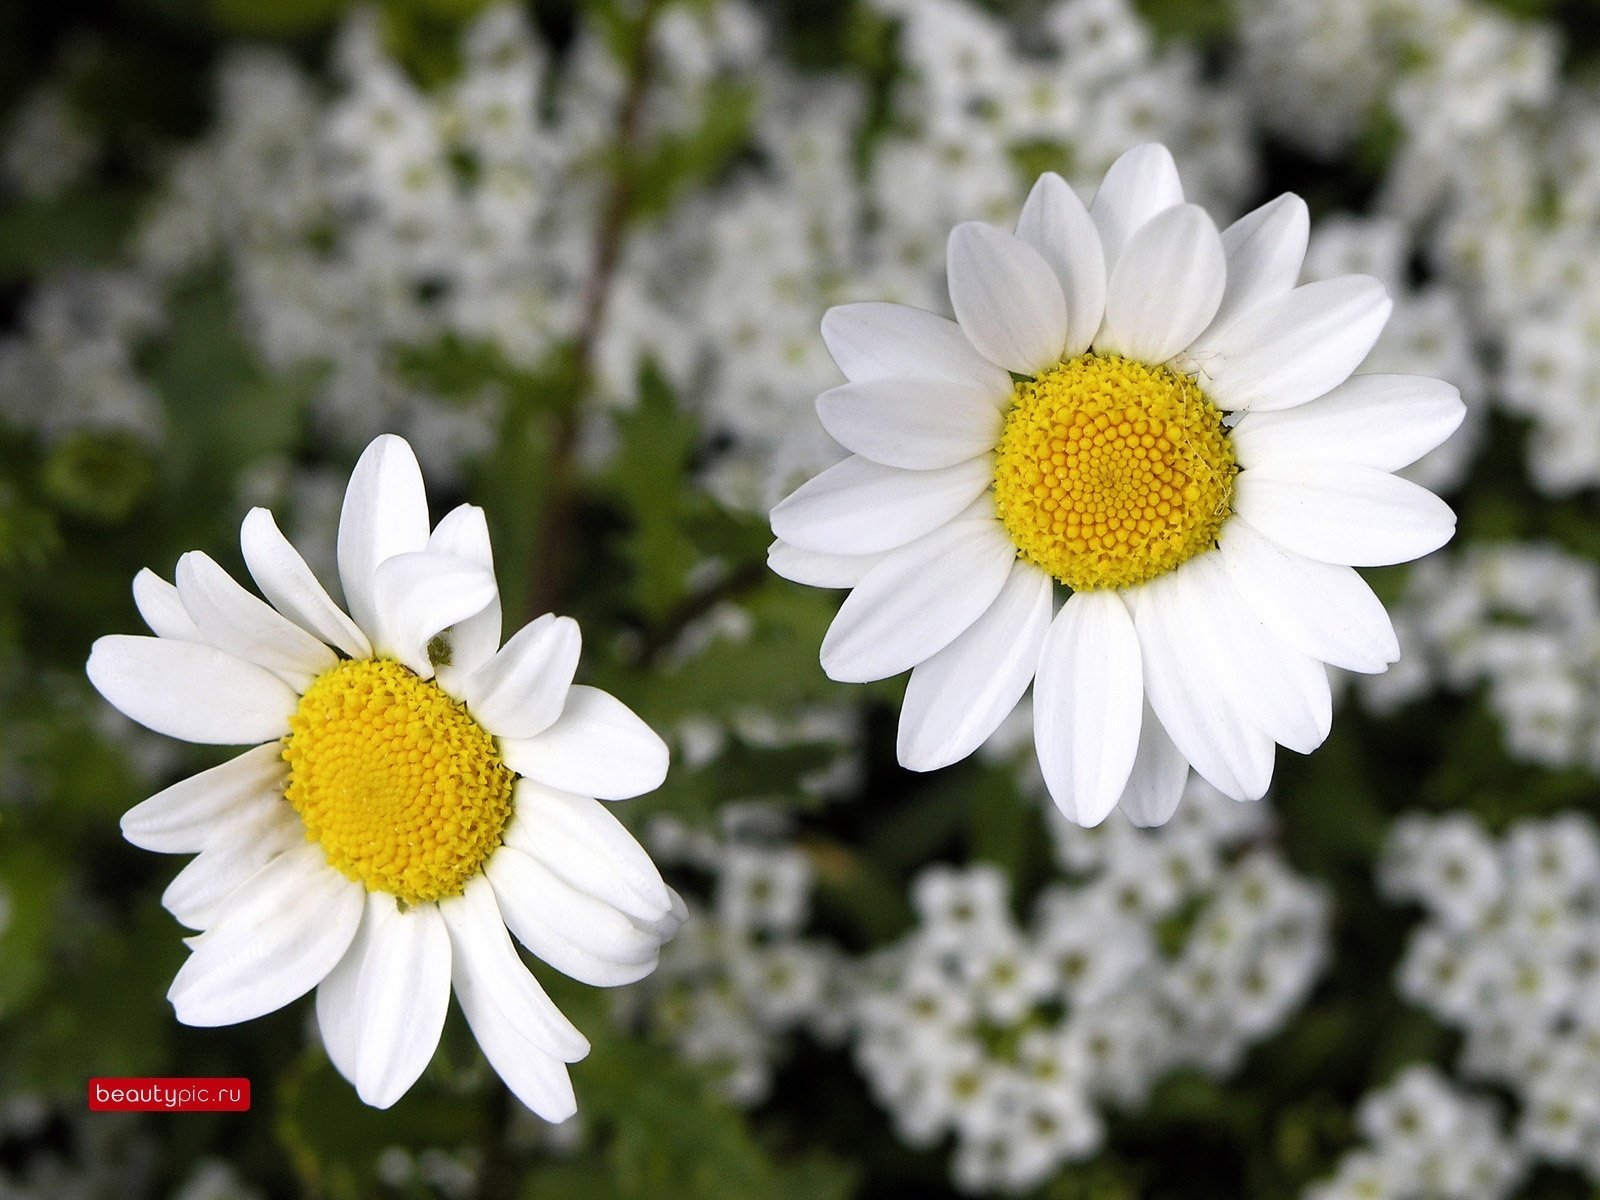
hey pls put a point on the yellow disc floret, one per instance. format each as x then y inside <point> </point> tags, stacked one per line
<point>403,789</point>
<point>1110,472</point>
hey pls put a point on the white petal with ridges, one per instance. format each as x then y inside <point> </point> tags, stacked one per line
<point>1155,785</point>
<point>581,842</point>
<point>1322,609</point>
<point>917,601</point>
<point>382,1008</point>
<point>161,607</point>
<point>891,341</point>
<point>1293,348</point>
<point>1087,705</point>
<point>819,570</point>
<point>508,1012</point>
<point>1266,249</point>
<point>1006,298</point>
<point>1141,183</point>
<point>231,619</point>
<point>957,698</point>
<point>294,590</point>
<point>202,809</point>
<point>422,594</point>
<point>385,513</point>
<point>275,939</point>
<point>464,533</point>
<point>1280,691</point>
<point>1338,513</point>
<point>598,747</point>
<point>521,690</point>
<point>1055,222</point>
<point>1165,287</point>
<point>860,507</point>
<point>483,947</point>
<point>191,692</point>
<point>198,892</point>
<point>571,930</point>
<point>1381,421</point>
<point>916,424</point>
<point>1232,755</point>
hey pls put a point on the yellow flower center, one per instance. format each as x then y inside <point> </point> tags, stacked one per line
<point>1110,472</point>
<point>403,789</point>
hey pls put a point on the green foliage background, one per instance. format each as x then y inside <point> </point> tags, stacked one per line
<point>88,954</point>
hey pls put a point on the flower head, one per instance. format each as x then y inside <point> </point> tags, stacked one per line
<point>1150,416</point>
<point>415,789</point>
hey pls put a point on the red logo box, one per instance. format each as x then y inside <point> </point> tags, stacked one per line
<point>177,1094</point>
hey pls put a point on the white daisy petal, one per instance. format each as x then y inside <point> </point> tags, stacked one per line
<point>1006,298</point>
<point>233,620</point>
<point>1232,755</point>
<point>1155,785</point>
<point>957,698</point>
<point>1380,421</point>
<point>588,848</point>
<point>161,607</point>
<point>860,507</point>
<point>191,692</point>
<point>285,580</point>
<point>1165,287</point>
<point>890,341</point>
<point>210,806</point>
<point>916,424</point>
<point>502,1004</point>
<point>197,893</point>
<point>598,747</point>
<point>1087,705</point>
<point>1266,249</point>
<point>385,1002</point>
<point>541,1081</point>
<point>571,930</point>
<point>1280,691</point>
<point>1322,609</point>
<point>486,959</point>
<point>385,513</point>
<point>918,600</point>
<point>819,570</point>
<point>464,532</point>
<point>275,939</point>
<point>1295,347</point>
<point>666,927</point>
<point>421,594</point>
<point>1338,513</point>
<point>521,690</point>
<point>1055,222</point>
<point>1141,183</point>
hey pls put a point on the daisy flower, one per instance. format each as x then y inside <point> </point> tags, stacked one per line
<point>415,790</point>
<point>1150,417</point>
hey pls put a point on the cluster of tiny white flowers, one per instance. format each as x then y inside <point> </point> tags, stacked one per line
<point>1521,620</point>
<point>71,364</point>
<point>1426,1140</point>
<point>741,978</point>
<point>1509,954</point>
<point>1520,215</point>
<point>1446,72</point>
<point>46,146</point>
<point>1083,81</point>
<point>383,216</point>
<point>1164,948</point>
